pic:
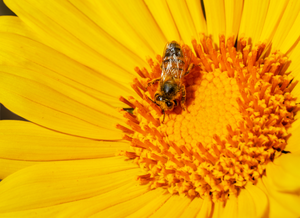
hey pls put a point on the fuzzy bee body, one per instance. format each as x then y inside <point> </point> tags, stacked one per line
<point>171,87</point>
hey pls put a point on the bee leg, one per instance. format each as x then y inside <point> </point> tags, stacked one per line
<point>152,82</point>
<point>183,97</point>
<point>189,69</point>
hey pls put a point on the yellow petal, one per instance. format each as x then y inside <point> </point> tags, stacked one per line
<point>55,110</point>
<point>253,18</point>
<point>233,16</point>
<point>282,179</point>
<point>215,17</point>
<point>62,26</point>
<point>173,207</point>
<point>183,20</point>
<point>13,24</point>
<point>152,205</point>
<point>62,73</point>
<point>35,143</point>
<point>206,208</point>
<point>193,208</point>
<point>129,207</point>
<point>52,183</point>
<point>289,163</point>
<point>85,207</point>
<point>197,15</point>
<point>260,200</point>
<point>275,209</point>
<point>288,201</point>
<point>218,209</point>
<point>274,15</point>
<point>231,208</point>
<point>10,166</point>
<point>161,13</point>
<point>287,32</point>
<point>246,206</point>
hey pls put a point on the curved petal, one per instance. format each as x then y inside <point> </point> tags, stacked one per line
<point>253,19</point>
<point>54,183</point>
<point>59,70</point>
<point>161,13</point>
<point>173,207</point>
<point>246,206</point>
<point>85,207</point>
<point>34,143</point>
<point>183,19</point>
<point>260,200</point>
<point>10,166</point>
<point>231,208</point>
<point>193,208</point>
<point>65,28</point>
<point>13,24</point>
<point>218,209</point>
<point>289,163</point>
<point>288,201</point>
<point>129,207</point>
<point>206,208</point>
<point>215,16</point>
<point>282,179</point>
<point>55,110</point>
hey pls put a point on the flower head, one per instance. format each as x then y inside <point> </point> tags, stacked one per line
<point>232,153</point>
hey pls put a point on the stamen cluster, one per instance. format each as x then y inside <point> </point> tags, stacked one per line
<point>239,108</point>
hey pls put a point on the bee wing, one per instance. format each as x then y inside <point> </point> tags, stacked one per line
<point>173,68</point>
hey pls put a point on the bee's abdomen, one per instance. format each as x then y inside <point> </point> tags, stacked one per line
<point>173,57</point>
<point>173,50</point>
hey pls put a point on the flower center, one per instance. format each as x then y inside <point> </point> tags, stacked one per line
<point>239,107</point>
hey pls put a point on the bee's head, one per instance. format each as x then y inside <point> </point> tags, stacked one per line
<point>163,103</point>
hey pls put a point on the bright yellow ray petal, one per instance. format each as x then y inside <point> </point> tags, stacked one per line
<point>35,143</point>
<point>13,24</point>
<point>57,69</point>
<point>107,16</point>
<point>206,208</point>
<point>287,32</point>
<point>151,206</point>
<point>260,200</point>
<point>52,183</point>
<point>218,210</point>
<point>275,209</point>
<point>161,13</point>
<point>215,17</point>
<point>253,19</point>
<point>231,208</point>
<point>196,11</point>
<point>233,15</point>
<point>126,208</point>
<point>65,28</point>
<point>47,107</point>
<point>10,166</point>
<point>290,163</point>
<point>85,207</point>
<point>183,19</point>
<point>288,201</point>
<point>283,180</point>
<point>246,206</point>
<point>173,207</point>
<point>193,208</point>
<point>273,18</point>
<point>293,141</point>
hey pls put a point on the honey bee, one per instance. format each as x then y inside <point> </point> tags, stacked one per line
<point>171,83</point>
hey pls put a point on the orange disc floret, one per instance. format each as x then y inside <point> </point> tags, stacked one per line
<point>239,108</point>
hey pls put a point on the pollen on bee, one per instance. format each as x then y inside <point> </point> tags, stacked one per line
<point>239,108</point>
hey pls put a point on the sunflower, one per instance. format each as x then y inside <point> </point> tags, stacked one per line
<point>96,144</point>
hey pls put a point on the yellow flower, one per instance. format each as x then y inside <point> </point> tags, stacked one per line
<point>233,153</point>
